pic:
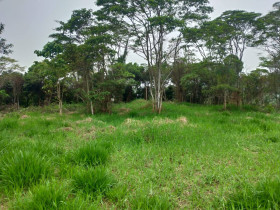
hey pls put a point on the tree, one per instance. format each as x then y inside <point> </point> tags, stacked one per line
<point>10,75</point>
<point>227,75</point>
<point>5,48</point>
<point>209,39</point>
<point>87,47</point>
<point>198,79</point>
<point>58,71</point>
<point>16,80</point>
<point>269,26</point>
<point>240,28</point>
<point>256,87</point>
<point>3,96</point>
<point>151,23</point>
<point>270,36</point>
<point>35,86</point>
<point>233,63</point>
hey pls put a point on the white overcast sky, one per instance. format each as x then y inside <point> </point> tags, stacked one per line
<point>28,23</point>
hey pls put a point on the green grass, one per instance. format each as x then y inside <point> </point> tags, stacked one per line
<point>90,154</point>
<point>93,182</point>
<point>22,169</point>
<point>265,196</point>
<point>150,202</point>
<point>189,157</point>
<point>45,196</point>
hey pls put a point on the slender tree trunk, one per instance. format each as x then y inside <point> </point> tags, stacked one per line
<point>59,97</point>
<point>146,92</point>
<point>89,100</point>
<point>17,102</point>
<point>225,100</point>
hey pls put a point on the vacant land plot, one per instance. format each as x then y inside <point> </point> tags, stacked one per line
<point>192,157</point>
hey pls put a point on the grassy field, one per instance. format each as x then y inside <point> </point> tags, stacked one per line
<point>189,157</point>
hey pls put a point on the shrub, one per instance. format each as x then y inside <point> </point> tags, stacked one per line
<point>22,169</point>
<point>94,181</point>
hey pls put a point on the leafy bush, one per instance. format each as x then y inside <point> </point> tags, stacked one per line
<point>269,109</point>
<point>23,169</point>
<point>94,181</point>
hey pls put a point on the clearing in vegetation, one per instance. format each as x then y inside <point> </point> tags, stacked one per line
<point>190,156</point>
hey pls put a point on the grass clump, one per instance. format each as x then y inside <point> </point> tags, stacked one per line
<point>94,181</point>
<point>91,154</point>
<point>151,202</point>
<point>265,196</point>
<point>46,196</point>
<point>8,124</point>
<point>22,169</point>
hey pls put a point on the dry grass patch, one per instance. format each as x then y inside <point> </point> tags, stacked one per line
<point>24,117</point>
<point>131,123</point>
<point>87,120</point>
<point>67,129</point>
<point>123,111</point>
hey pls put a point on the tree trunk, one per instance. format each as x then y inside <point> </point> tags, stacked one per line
<point>17,102</point>
<point>225,100</point>
<point>59,97</point>
<point>146,92</point>
<point>89,100</point>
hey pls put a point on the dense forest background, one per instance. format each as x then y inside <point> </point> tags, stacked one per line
<point>189,58</point>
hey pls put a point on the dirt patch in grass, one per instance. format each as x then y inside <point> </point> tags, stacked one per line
<point>88,134</point>
<point>67,129</point>
<point>3,206</point>
<point>182,120</point>
<point>24,117</point>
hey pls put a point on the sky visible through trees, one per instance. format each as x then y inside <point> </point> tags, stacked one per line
<point>29,31</point>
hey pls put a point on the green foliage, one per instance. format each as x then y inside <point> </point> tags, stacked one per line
<point>4,47</point>
<point>94,181</point>
<point>3,95</point>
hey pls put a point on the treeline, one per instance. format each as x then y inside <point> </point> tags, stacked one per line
<point>189,58</point>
